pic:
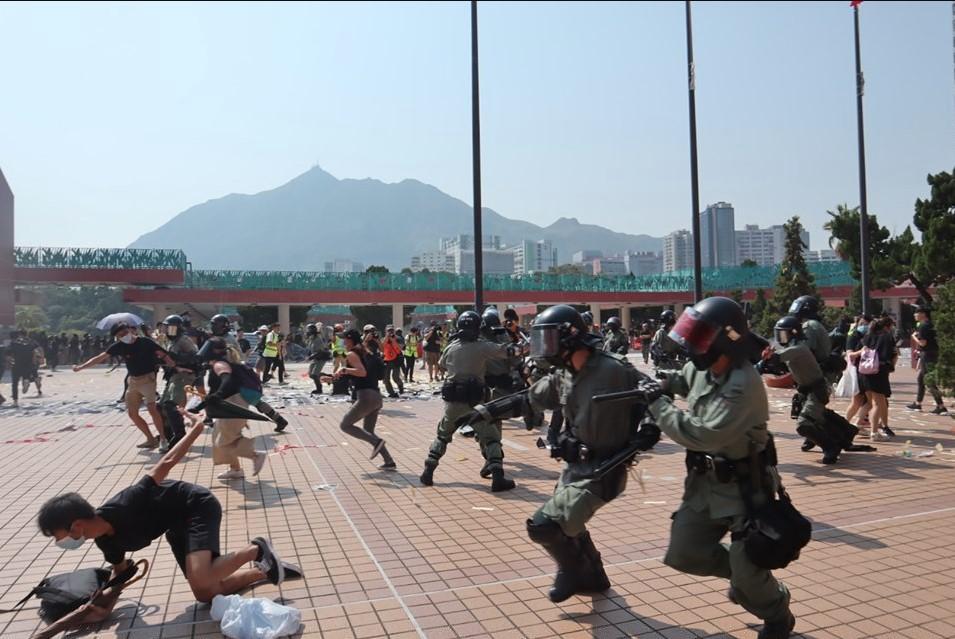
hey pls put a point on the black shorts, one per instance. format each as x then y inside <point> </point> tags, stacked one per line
<point>200,531</point>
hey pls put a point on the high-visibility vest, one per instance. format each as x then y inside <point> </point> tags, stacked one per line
<point>272,341</point>
<point>411,345</point>
<point>338,347</point>
<point>391,350</point>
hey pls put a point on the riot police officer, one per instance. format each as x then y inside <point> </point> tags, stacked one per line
<point>318,354</point>
<point>809,403</point>
<point>806,309</point>
<point>616,340</point>
<point>730,458</point>
<point>595,433</point>
<point>466,359</point>
<point>182,349</point>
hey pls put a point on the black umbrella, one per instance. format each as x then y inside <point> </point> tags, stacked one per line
<point>228,410</point>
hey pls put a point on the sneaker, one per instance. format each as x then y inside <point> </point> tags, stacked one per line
<point>914,406</point>
<point>888,431</point>
<point>940,410</point>
<point>877,436</point>
<point>377,449</point>
<point>393,395</point>
<point>259,462</point>
<point>163,446</point>
<point>232,473</point>
<point>269,562</point>
<point>149,444</point>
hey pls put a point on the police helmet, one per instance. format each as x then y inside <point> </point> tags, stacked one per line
<point>490,319</point>
<point>311,329</point>
<point>587,317</point>
<point>558,331</point>
<point>667,318</point>
<point>174,325</point>
<point>805,307</point>
<point>468,325</point>
<point>787,330</point>
<point>715,326</point>
<point>614,323</point>
<point>220,324</point>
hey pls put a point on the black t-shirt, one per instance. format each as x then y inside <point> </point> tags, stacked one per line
<point>927,332</point>
<point>22,354</point>
<point>140,356</point>
<point>144,512</point>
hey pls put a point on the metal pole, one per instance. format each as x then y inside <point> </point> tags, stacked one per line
<point>863,206</point>
<point>476,164</point>
<point>694,171</point>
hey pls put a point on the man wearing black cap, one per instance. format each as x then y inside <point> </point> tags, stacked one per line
<point>925,337</point>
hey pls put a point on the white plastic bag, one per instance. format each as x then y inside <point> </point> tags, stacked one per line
<point>848,385</point>
<point>254,618</point>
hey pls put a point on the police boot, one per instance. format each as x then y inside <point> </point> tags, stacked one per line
<point>268,411</point>
<point>499,483</point>
<point>807,445</point>
<point>830,455</point>
<point>174,423</point>
<point>486,470</point>
<point>565,551</point>
<point>778,629</point>
<point>593,577</point>
<point>427,477</point>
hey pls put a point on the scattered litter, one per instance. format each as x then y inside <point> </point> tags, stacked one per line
<point>408,450</point>
<point>927,453</point>
<point>481,508</point>
<point>939,449</point>
<point>462,458</point>
<point>242,618</point>
<point>326,487</point>
<point>654,503</point>
<point>907,449</point>
<point>513,445</point>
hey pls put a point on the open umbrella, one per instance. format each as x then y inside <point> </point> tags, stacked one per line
<point>113,319</point>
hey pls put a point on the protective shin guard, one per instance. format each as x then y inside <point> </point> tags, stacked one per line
<point>593,577</point>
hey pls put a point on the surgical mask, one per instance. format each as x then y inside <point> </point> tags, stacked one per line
<point>68,543</point>
<point>128,338</point>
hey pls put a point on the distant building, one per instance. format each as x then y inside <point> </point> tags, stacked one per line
<point>466,242</point>
<point>756,244</point>
<point>588,255</point>
<point>643,262</point>
<point>608,266</point>
<point>344,266</point>
<point>718,236</point>
<point>823,255</point>
<point>434,261</point>
<point>533,257</point>
<point>779,238</point>
<point>678,251</point>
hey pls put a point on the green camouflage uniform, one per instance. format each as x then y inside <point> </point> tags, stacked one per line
<point>616,342</point>
<point>175,389</point>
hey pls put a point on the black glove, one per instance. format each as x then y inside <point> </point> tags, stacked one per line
<point>651,389</point>
<point>648,434</point>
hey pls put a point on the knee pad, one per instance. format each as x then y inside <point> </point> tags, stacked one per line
<point>544,531</point>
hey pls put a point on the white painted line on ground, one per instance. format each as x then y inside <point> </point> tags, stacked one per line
<point>514,445</point>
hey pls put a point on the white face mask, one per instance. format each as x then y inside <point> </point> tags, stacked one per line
<point>68,543</point>
<point>128,338</point>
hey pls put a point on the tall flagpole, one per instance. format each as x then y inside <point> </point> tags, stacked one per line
<point>694,171</point>
<point>864,261</point>
<point>476,164</point>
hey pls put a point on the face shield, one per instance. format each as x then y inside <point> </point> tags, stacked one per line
<point>782,336</point>
<point>172,330</point>
<point>545,342</point>
<point>794,307</point>
<point>692,333</point>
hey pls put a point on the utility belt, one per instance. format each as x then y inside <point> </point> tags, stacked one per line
<point>571,450</point>
<point>470,392</point>
<point>727,470</point>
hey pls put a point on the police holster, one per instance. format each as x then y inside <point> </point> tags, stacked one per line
<point>470,392</point>
<point>774,532</point>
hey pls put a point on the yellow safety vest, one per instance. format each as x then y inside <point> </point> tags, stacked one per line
<point>411,345</point>
<point>272,341</point>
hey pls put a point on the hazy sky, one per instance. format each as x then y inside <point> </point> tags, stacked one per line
<point>115,117</point>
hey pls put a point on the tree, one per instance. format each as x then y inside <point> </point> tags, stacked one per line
<point>890,258</point>
<point>407,271</point>
<point>748,263</point>
<point>944,321</point>
<point>377,269</point>
<point>793,280</point>
<point>935,218</point>
<point>31,318</point>
<point>758,310</point>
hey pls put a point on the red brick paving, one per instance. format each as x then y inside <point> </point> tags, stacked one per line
<point>385,557</point>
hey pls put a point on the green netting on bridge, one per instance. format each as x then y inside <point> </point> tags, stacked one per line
<point>90,258</point>
<point>724,279</point>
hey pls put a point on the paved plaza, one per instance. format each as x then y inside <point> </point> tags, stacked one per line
<point>385,557</point>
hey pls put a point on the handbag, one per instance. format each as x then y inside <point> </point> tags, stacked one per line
<point>848,386</point>
<point>869,361</point>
